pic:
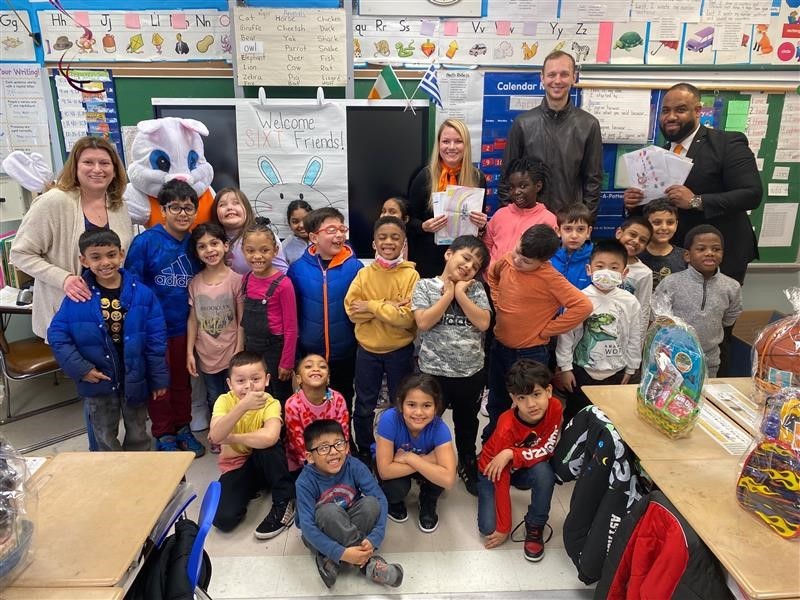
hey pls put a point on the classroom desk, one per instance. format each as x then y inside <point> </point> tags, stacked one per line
<point>763,563</point>
<point>95,512</point>
<point>618,402</point>
<point>98,593</point>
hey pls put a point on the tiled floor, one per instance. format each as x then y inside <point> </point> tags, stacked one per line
<point>449,563</point>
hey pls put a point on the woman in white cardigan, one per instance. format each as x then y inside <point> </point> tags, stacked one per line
<point>88,194</point>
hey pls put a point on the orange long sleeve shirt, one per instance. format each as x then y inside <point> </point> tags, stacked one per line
<point>526,302</point>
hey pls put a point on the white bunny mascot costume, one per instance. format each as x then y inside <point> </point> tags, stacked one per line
<point>166,149</point>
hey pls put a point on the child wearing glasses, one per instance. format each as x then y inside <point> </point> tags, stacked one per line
<point>160,258</point>
<point>341,510</point>
<point>246,422</point>
<point>312,402</point>
<point>321,278</point>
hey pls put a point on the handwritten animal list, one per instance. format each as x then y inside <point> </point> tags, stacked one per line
<point>291,47</point>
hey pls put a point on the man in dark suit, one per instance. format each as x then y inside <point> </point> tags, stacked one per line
<point>722,186</point>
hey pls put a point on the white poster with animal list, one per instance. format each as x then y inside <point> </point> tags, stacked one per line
<point>15,42</point>
<point>290,46</point>
<point>462,96</point>
<point>624,115</point>
<point>291,153</point>
<point>23,113</point>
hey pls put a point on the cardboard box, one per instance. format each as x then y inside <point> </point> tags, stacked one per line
<point>745,330</point>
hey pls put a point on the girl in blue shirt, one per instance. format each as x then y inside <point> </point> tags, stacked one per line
<point>413,442</point>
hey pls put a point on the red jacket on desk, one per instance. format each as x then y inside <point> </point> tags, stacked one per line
<point>531,444</point>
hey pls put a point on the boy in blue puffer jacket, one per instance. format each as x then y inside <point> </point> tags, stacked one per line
<point>321,278</point>
<point>112,345</point>
<point>574,229</point>
<point>160,258</point>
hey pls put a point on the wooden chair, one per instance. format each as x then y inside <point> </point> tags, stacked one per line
<point>22,360</point>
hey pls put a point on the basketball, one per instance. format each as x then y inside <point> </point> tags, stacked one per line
<point>776,355</point>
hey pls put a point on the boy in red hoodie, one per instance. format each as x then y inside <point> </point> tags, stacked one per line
<point>518,453</point>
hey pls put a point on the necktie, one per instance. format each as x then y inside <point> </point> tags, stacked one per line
<point>677,149</point>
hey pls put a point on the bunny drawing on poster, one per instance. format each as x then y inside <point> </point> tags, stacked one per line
<point>272,201</point>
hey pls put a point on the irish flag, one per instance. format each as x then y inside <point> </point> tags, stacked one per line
<point>386,85</point>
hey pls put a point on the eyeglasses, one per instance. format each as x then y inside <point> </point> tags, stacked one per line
<point>176,209</point>
<point>334,229</point>
<point>325,449</point>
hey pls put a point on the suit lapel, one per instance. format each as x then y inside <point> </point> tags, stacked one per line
<point>697,143</point>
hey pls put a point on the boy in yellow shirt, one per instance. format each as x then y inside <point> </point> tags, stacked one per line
<point>379,303</point>
<point>246,422</point>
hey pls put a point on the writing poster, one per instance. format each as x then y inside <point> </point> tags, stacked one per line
<point>133,36</point>
<point>23,113</point>
<point>462,94</point>
<point>291,47</point>
<point>289,152</point>
<point>624,115</point>
<point>15,42</point>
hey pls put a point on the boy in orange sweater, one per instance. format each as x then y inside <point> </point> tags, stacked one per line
<point>528,293</point>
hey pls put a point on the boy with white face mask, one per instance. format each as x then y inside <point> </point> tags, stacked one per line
<point>606,348</point>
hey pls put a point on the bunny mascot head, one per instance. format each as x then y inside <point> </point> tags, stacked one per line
<point>166,149</point>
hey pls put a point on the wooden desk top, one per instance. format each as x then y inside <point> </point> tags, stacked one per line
<point>95,512</point>
<point>763,563</point>
<point>97,593</point>
<point>618,402</point>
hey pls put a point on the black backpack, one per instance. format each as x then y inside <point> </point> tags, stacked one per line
<point>164,574</point>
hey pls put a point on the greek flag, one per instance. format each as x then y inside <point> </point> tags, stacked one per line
<point>430,85</point>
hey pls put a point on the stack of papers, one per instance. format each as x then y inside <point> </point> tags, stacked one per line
<point>653,170</point>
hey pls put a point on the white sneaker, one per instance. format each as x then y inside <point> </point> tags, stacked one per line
<point>484,401</point>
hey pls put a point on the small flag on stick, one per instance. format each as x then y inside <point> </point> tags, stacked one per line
<point>430,85</point>
<point>387,85</point>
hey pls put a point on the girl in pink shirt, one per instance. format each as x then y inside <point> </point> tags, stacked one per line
<point>312,402</point>
<point>215,308</point>
<point>524,180</point>
<point>269,318</point>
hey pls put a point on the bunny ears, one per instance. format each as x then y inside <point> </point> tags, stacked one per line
<point>30,171</point>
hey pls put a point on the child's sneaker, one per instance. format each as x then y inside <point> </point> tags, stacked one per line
<point>187,441</point>
<point>379,571</point>
<point>534,543</point>
<point>398,512</point>
<point>327,568</point>
<point>167,443</point>
<point>280,517</point>
<point>215,448</point>
<point>468,471</point>
<point>428,519</point>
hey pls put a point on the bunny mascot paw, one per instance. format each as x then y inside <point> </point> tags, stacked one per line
<point>166,149</point>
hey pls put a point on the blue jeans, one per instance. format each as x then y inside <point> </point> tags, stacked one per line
<point>499,364</point>
<point>539,479</point>
<point>215,386</point>
<point>93,445</point>
<point>370,368</point>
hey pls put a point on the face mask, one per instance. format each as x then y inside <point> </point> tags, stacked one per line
<point>388,264</point>
<point>606,280</point>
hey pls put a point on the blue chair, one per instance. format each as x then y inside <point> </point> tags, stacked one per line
<point>208,511</point>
